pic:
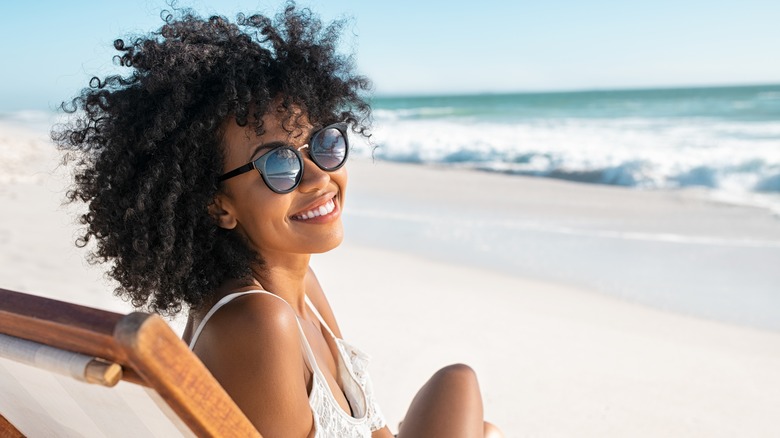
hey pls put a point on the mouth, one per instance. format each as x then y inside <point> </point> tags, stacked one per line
<point>321,213</point>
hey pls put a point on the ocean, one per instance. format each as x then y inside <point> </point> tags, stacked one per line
<point>723,139</point>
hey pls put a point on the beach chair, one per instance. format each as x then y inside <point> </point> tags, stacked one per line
<point>69,370</point>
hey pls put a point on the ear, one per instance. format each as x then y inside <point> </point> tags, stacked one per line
<point>220,211</point>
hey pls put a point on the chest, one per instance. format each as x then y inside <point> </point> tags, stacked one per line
<point>327,355</point>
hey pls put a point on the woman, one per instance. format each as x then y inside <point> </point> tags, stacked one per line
<point>212,171</point>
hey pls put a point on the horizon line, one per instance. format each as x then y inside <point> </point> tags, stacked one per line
<point>401,95</point>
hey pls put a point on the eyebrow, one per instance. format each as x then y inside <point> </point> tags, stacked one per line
<point>276,144</point>
<point>271,145</point>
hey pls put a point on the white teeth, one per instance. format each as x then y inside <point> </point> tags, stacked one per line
<point>322,210</point>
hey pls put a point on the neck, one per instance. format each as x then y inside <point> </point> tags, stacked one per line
<point>284,275</point>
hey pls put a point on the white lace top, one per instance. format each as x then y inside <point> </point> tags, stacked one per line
<point>330,420</point>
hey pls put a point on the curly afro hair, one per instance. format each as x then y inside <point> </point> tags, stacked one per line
<point>146,151</point>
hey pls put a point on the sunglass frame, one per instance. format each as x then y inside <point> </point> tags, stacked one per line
<point>259,162</point>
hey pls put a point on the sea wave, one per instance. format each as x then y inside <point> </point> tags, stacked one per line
<point>414,113</point>
<point>645,153</point>
<point>35,120</point>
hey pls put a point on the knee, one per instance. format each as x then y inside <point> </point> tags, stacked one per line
<point>458,369</point>
<point>458,374</point>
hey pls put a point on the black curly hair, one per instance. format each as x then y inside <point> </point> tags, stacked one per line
<point>146,151</point>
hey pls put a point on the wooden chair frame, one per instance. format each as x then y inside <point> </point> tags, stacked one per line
<point>150,354</point>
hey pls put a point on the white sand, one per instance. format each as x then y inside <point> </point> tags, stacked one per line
<point>554,358</point>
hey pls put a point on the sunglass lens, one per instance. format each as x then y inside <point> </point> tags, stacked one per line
<point>329,148</point>
<point>282,169</point>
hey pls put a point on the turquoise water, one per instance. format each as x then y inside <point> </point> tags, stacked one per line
<point>753,103</point>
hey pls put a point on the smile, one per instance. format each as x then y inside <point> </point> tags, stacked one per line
<point>322,210</point>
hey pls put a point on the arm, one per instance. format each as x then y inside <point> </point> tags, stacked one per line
<point>252,347</point>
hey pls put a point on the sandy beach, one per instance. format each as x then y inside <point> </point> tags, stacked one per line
<point>586,310</point>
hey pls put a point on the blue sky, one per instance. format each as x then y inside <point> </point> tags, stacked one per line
<point>50,48</point>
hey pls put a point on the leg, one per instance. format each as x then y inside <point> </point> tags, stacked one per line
<point>448,405</point>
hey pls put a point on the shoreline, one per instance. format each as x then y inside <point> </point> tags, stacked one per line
<point>669,250</point>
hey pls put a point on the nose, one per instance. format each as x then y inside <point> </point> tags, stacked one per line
<point>314,178</point>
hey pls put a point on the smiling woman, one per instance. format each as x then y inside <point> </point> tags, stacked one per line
<point>212,171</point>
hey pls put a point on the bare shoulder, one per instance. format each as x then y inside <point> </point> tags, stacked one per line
<point>320,301</point>
<point>262,320</point>
<point>252,346</point>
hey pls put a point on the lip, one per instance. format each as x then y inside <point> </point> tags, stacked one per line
<point>322,200</point>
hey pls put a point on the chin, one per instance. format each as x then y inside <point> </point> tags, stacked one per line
<point>318,243</point>
<point>329,245</point>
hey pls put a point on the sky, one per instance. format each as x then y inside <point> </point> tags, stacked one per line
<point>50,48</point>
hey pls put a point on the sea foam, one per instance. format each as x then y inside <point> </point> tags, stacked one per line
<point>724,141</point>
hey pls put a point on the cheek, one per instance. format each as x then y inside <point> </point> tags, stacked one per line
<point>263,216</point>
<point>270,218</point>
<point>341,177</point>
<point>267,234</point>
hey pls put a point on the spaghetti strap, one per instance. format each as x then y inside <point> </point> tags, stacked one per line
<point>319,316</point>
<point>312,362</point>
<point>226,299</point>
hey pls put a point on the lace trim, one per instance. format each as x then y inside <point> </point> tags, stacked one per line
<point>357,365</point>
<point>330,420</point>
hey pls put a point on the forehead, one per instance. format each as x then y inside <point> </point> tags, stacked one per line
<point>239,142</point>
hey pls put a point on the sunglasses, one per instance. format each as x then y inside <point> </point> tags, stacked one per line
<point>282,166</point>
